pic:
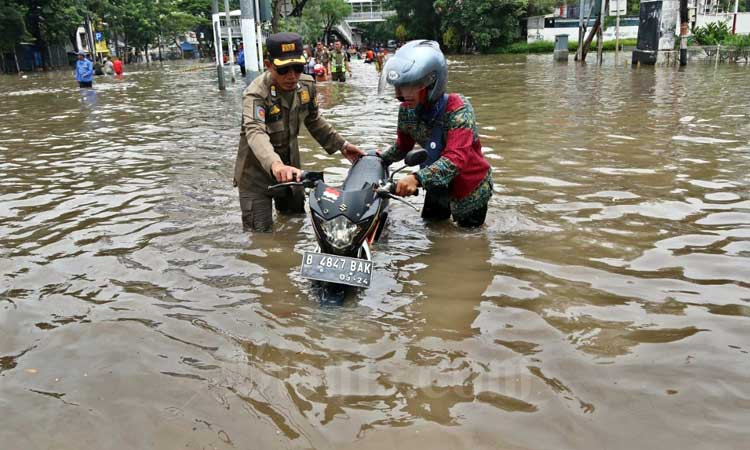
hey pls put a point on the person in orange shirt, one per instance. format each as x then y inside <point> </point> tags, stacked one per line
<point>117,64</point>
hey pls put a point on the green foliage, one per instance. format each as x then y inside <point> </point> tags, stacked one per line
<point>549,46</point>
<point>482,24</point>
<point>523,47</point>
<point>333,12</point>
<point>378,31</point>
<point>421,17</point>
<point>317,19</point>
<point>308,25</point>
<point>451,41</point>
<point>47,22</point>
<point>540,7</point>
<point>12,27</point>
<point>739,41</point>
<point>711,33</point>
<point>401,32</point>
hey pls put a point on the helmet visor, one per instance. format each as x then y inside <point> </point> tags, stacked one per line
<point>397,71</point>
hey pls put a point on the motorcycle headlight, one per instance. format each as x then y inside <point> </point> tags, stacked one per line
<point>340,231</point>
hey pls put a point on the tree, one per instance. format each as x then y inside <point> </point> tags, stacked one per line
<point>481,24</point>
<point>379,31</point>
<point>318,15</point>
<point>175,23</point>
<point>333,12</point>
<point>12,30</point>
<point>401,32</point>
<point>420,17</point>
<point>308,25</point>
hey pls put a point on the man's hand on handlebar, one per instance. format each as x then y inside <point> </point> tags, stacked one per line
<point>407,186</point>
<point>284,173</point>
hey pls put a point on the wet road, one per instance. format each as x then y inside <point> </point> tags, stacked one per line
<point>605,304</point>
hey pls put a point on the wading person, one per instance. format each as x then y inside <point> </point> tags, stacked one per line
<point>456,176</point>
<point>322,56</point>
<point>241,58</point>
<point>117,65</point>
<point>84,71</point>
<point>310,61</point>
<point>98,67</point>
<point>339,63</point>
<point>109,68</point>
<point>274,106</point>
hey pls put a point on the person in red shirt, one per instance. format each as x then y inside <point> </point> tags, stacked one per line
<point>456,176</point>
<point>117,64</point>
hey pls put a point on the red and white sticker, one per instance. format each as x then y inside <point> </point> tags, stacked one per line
<point>331,194</point>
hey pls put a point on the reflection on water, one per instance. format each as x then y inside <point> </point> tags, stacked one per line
<point>606,299</point>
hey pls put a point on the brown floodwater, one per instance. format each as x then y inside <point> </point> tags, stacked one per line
<point>605,303</point>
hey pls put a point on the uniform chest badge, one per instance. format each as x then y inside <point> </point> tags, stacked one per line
<point>274,110</point>
<point>304,96</point>
<point>273,91</point>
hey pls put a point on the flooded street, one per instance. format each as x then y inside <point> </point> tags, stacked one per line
<point>605,304</point>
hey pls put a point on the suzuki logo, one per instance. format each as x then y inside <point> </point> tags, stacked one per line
<point>342,207</point>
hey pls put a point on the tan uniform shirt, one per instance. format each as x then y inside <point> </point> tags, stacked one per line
<point>322,56</point>
<point>270,127</point>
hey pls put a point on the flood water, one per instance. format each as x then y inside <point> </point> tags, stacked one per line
<point>605,304</point>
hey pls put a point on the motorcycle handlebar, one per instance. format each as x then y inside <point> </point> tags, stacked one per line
<point>306,179</point>
<point>390,189</point>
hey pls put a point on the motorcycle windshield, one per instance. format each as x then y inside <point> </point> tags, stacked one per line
<point>357,205</point>
<point>367,170</point>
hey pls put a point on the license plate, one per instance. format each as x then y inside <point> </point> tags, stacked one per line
<point>336,269</point>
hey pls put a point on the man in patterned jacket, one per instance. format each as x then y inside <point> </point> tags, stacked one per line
<point>456,176</point>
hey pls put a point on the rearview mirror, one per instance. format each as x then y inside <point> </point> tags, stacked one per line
<point>416,157</point>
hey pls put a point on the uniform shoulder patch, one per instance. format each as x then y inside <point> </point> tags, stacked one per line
<point>259,111</point>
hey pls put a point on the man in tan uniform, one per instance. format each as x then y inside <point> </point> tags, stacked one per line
<point>273,107</point>
<point>322,56</point>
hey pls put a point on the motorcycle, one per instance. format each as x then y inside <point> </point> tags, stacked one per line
<point>347,221</point>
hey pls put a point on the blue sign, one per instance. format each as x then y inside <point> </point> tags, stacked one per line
<point>99,36</point>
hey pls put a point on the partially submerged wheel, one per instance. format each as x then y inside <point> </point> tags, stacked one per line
<point>331,293</point>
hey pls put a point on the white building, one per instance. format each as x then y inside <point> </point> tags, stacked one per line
<point>368,11</point>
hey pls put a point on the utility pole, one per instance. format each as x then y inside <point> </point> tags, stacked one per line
<point>265,4</point>
<point>580,31</point>
<point>250,38</point>
<point>617,31</point>
<point>229,41</point>
<point>217,44</point>
<point>658,20</point>
<point>90,36</point>
<point>159,15</point>
<point>600,35</point>
<point>684,19</point>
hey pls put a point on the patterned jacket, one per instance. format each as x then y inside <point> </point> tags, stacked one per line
<point>461,166</point>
